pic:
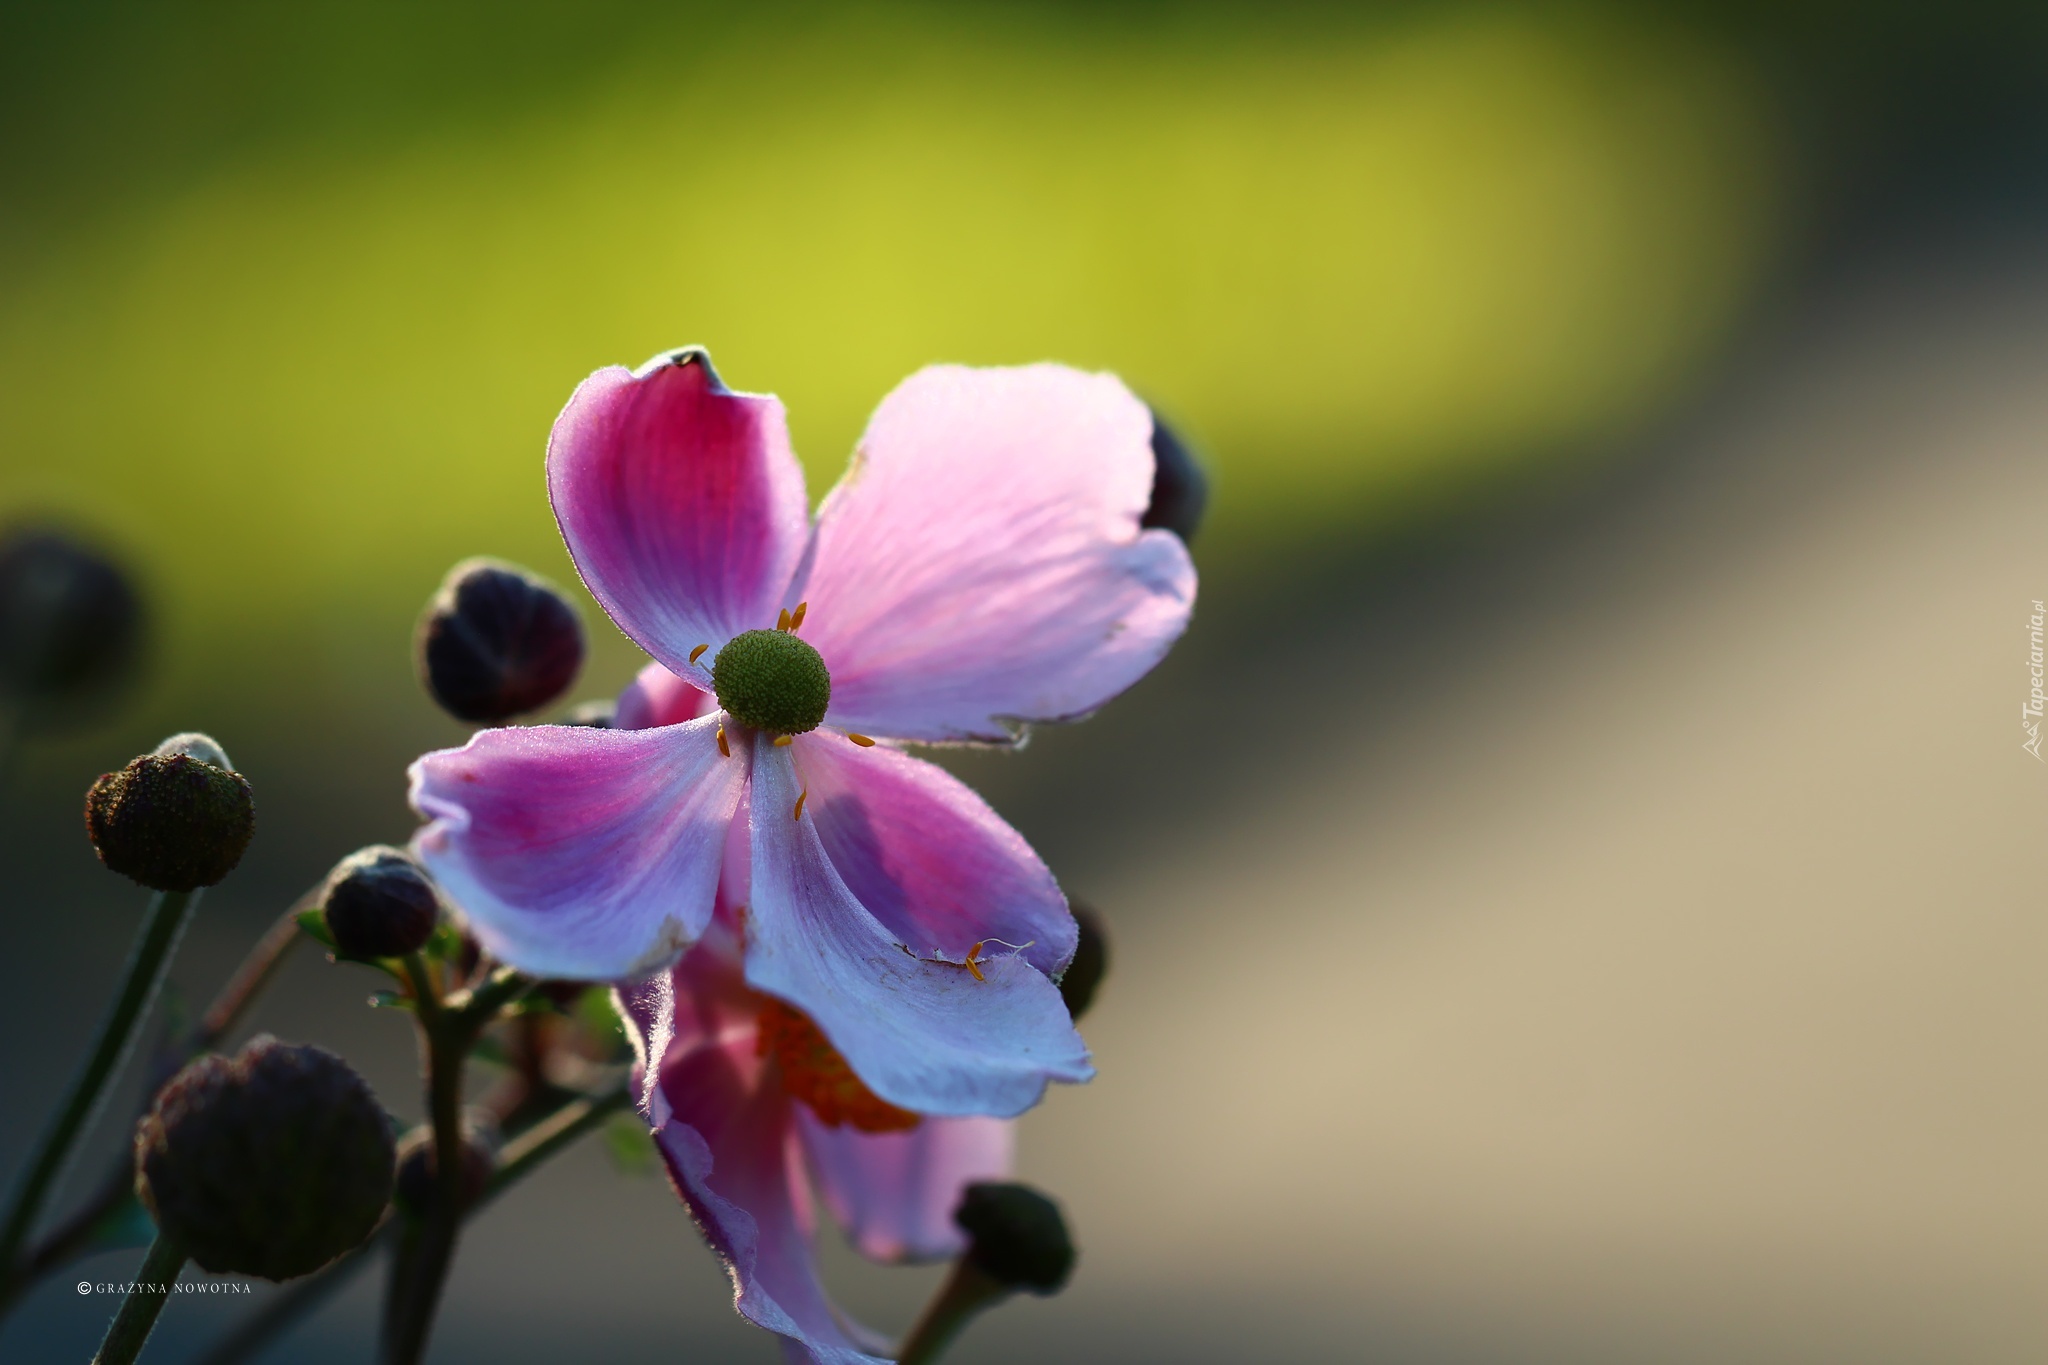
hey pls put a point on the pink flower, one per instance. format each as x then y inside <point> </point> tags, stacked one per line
<point>752,1111</point>
<point>980,568</point>
<point>756,1115</point>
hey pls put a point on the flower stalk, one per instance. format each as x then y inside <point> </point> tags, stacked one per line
<point>131,1326</point>
<point>169,912</point>
<point>449,1028</point>
<point>78,1233</point>
<point>968,1289</point>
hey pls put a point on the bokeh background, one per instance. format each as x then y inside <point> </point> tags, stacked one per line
<point>1576,889</point>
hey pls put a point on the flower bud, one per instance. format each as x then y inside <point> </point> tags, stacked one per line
<point>172,821</point>
<point>70,622</point>
<point>270,1164</point>
<point>1180,491</point>
<point>379,903</point>
<point>1091,960</point>
<point>497,642</point>
<point>416,1183</point>
<point>1016,1236</point>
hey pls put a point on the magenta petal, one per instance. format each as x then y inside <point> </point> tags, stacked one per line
<point>895,1193</point>
<point>723,1126</point>
<point>926,1036</point>
<point>659,697</point>
<point>681,503</point>
<point>982,564</point>
<point>928,858</point>
<point>576,852</point>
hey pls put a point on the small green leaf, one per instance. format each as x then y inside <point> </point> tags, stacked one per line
<point>596,1013</point>
<point>445,945</point>
<point>313,924</point>
<point>630,1145</point>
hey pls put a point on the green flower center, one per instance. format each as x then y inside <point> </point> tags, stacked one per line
<point>771,680</point>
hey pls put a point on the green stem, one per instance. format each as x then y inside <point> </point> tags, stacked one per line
<point>131,1326</point>
<point>553,1133</point>
<point>77,1234</point>
<point>481,1006</point>
<point>254,973</point>
<point>967,1290</point>
<point>448,1030</point>
<point>169,912</point>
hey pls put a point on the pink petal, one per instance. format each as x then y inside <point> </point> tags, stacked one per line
<point>701,1002</point>
<point>659,697</point>
<point>925,1036</point>
<point>724,1127</point>
<point>681,503</point>
<point>576,852</point>
<point>928,858</point>
<point>982,565</point>
<point>895,1193</point>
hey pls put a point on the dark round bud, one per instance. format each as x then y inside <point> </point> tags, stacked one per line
<point>1091,961</point>
<point>379,903</point>
<point>771,680</point>
<point>416,1184</point>
<point>271,1164</point>
<point>595,715</point>
<point>497,642</point>
<point>70,623</point>
<point>1180,491</point>
<point>1016,1236</point>
<point>171,821</point>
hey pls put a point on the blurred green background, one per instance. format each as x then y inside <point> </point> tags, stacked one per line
<point>290,295</point>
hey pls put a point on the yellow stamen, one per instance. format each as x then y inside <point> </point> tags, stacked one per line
<point>973,963</point>
<point>782,621</point>
<point>784,741</point>
<point>698,653</point>
<point>796,618</point>
<point>802,797</point>
<point>861,740</point>
<point>721,742</point>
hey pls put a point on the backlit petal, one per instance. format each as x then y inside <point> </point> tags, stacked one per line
<point>981,564</point>
<point>895,1193</point>
<point>576,852</point>
<point>682,504</point>
<point>928,858</point>
<point>926,1036</point>
<point>724,1128</point>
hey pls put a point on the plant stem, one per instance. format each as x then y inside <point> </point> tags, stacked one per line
<point>131,1326</point>
<point>448,1029</point>
<point>169,912</point>
<point>254,973</point>
<point>967,1290</point>
<point>75,1234</point>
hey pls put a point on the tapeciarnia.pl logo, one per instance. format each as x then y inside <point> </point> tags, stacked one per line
<point>2030,712</point>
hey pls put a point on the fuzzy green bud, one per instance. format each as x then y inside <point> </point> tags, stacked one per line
<point>171,820</point>
<point>771,680</point>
